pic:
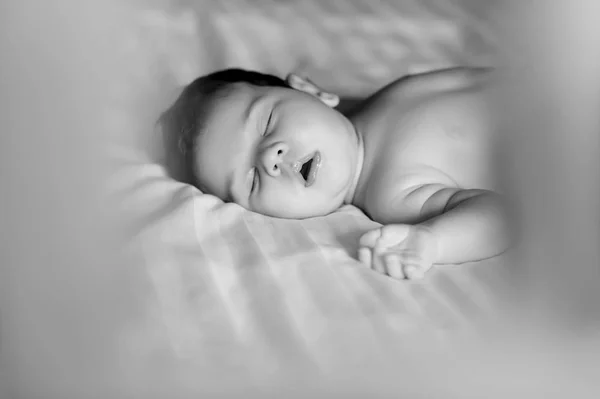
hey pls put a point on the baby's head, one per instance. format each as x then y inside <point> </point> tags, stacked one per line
<point>251,139</point>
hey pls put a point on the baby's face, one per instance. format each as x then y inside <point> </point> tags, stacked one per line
<point>277,151</point>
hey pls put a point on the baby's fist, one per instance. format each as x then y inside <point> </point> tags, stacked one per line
<point>399,250</point>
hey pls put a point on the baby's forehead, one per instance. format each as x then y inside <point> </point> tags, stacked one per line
<point>235,101</point>
<point>240,91</point>
<point>244,91</point>
<point>229,104</point>
<point>233,93</point>
<point>221,136</point>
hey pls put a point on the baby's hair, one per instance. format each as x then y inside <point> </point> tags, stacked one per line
<point>182,122</point>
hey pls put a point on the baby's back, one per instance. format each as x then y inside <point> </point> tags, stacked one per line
<point>431,126</point>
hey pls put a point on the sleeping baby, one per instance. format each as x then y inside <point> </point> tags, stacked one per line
<point>415,157</point>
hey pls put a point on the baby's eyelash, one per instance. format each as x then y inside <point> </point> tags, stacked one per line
<point>268,123</point>
<point>254,179</point>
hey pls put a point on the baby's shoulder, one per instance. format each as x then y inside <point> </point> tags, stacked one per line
<point>418,96</point>
<point>451,79</point>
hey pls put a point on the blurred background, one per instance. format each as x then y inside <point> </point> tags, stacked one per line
<point>82,81</point>
<point>351,47</point>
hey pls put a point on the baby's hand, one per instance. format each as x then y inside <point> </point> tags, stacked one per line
<point>399,250</point>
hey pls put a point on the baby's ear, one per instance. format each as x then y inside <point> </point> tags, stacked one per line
<point>306,85</point>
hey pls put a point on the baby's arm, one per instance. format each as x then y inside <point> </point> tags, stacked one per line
<point>448,225</point>
<point>469,225</point>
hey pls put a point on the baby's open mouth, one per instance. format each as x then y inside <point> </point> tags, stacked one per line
<point>306,169</point>
<point>309,168</point>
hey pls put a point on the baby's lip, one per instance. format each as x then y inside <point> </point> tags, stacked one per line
<point>314,169</point>
<point>297,166</point>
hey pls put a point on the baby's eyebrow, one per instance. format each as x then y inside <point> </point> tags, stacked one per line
<point>251,107</point>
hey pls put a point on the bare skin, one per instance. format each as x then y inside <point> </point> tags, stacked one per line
<point>427,174</point>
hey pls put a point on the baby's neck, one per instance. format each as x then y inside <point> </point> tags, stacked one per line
<point>350,197</point>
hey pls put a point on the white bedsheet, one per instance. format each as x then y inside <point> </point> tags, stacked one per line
<point>264,296</point>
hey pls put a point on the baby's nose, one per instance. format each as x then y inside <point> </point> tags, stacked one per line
<point>272,158</point>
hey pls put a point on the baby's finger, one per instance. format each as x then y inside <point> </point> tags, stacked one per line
<point>378,263</point>
<point>393,266</point>
<point>365,257</point>
<point>369,239</point>
<point>393,235</point>
<point>407,257</point>
<point>413,272</point>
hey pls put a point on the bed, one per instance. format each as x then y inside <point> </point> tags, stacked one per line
<point>256,304</point>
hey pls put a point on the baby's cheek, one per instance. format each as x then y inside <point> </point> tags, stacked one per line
<point>281,206</point>
<point>270,204</point>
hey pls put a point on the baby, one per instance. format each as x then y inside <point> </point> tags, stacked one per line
<point>415,157</point>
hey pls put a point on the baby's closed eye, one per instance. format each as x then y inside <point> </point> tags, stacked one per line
<point>268,123</point>
<point>255,180</point>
